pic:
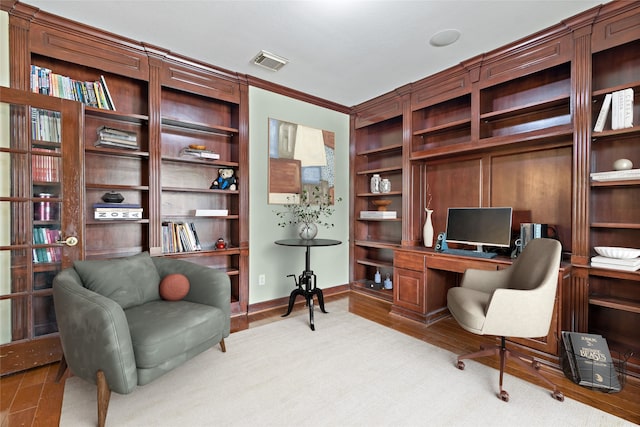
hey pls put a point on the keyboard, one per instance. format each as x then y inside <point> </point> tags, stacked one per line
<point>475,254</point>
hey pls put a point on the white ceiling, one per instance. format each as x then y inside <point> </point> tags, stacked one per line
<point>345,51</point>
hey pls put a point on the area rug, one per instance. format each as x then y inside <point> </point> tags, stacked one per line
<point>348,372</point>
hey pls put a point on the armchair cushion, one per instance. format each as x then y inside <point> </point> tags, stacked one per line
<point>129,281</point>
<point>161,331</point>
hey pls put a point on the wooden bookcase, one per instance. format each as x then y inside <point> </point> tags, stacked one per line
<point>513,127</point>
<point>614,206</point>
<point>168,102</point>
<point>378,132</point>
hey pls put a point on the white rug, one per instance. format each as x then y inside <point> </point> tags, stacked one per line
<point>349,372</point>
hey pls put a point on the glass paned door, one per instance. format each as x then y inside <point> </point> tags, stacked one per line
<point>39,148</point>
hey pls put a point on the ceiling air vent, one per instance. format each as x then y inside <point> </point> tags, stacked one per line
<point>270,61</point>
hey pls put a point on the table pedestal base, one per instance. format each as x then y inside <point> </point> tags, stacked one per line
<point>308,280</point>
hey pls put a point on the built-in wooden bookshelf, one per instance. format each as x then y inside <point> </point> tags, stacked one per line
<point>513,127</point>
<point>163,102</point>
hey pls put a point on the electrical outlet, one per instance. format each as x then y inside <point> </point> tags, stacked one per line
<point>262,279</point>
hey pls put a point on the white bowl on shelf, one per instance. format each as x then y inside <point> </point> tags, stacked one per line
<point>620,253</point>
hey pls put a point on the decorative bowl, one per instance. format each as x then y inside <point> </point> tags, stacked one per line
<point>382,204</point>
<point>112,197</point>
<point>620,253</point>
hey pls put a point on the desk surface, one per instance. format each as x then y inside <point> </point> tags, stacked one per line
<point>308,242</point>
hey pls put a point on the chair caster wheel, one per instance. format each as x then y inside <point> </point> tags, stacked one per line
<point>557,395</point>
<point>504,396</point>
<point>460,365</point>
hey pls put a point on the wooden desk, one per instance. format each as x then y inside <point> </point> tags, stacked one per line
<point>422,278</point>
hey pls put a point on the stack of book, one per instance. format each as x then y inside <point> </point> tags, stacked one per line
<point>590,361</point>
<point>202,154</point>
<point>622,175</point>
<point>111,137</point>
<point>632,264</point>
<point>180,237</point>
<point>116,211</point>
<point>620,103</point>
<point>378,214</point>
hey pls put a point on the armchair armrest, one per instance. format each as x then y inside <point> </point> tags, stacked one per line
<point>207,285</point>
<point>519,313</point>
<point>94,333</point>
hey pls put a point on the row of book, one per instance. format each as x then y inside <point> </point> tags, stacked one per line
<point>620,103</point>
<point>45,236</point>
<point>590,361</point>
<point>117,211</point>
<point>111,137</point>
<point>180,237</point>
<point>92,93</point>
<point>44,168</point>
<point>45,125</point>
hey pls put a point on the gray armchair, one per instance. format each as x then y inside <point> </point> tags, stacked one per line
<point>117,331</point>
<point>514,302</point>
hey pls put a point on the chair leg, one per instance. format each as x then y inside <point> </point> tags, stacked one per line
<point>525,361</point>
<point>222,346</point>
<point>104,394</point>
<point>61,369</point>
<point>532,366</point>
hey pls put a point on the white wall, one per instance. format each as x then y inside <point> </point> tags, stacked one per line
<point>330,264</point>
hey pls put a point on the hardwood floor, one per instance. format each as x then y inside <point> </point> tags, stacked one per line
<point>32,398</point>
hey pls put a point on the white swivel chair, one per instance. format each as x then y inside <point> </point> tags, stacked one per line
<point>514,302</point>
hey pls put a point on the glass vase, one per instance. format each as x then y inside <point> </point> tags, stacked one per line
<point>307,230</point>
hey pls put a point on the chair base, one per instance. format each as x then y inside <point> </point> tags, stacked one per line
<point>525,361</point>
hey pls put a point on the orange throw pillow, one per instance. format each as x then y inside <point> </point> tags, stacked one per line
<point>174,287</point>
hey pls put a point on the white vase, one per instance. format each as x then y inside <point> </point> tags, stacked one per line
<point>427,230</point>
<point>307,230</point>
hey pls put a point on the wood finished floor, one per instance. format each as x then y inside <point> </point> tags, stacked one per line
<point>32,398</point>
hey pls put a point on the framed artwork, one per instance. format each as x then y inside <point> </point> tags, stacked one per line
<point>300,158</point>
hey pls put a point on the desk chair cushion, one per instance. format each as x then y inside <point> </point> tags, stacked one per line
<point>161,330</point>
<point>468,307</point>
<point>128,281</point>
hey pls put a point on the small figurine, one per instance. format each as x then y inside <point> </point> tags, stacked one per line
<point>221,244</point>
<point>226,180</point>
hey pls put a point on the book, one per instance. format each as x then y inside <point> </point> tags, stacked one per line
<point>604,112</point>
<point>615,266</point>
<point>378,214</point>
<point>592,364</point>
<point>107,94</point>
<point>212,212</point>
<point>118,214</point>
<point>116,205</point>
<point>116,144</point>
<point>630,262</point>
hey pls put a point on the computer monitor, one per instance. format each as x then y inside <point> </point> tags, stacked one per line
<point>479,226</point>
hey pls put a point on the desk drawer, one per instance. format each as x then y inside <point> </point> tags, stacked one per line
<point>408,260</point>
